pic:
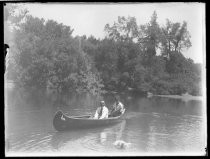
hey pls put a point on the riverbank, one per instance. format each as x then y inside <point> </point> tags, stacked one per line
<point>185,97</point>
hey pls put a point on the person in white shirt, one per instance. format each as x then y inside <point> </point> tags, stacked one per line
<point>102,111</point>
<point>118,108</point>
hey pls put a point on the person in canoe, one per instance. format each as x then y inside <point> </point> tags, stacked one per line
<point>118,108</point>
<point>102,111</point>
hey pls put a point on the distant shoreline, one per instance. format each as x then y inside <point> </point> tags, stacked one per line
<point>11,84</point>
<point>186,97</point>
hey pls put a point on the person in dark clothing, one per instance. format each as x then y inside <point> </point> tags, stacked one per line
<point>118,108</point>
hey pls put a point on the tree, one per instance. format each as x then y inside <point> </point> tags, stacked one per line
<point>175,37</point>
<point>46,54</point>
<point>149,37</point>
<point>106,59</point>
<point>14,15</point>
<point>125,29</point>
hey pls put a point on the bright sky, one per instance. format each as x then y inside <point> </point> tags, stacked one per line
<point>90,19</point>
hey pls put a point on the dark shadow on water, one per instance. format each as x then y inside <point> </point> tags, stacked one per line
<point>59,139</point>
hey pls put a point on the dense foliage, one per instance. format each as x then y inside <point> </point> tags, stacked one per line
<point>45,54</point>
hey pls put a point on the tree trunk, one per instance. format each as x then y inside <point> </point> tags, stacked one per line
<point>176,46</point>
<point>169,46</point>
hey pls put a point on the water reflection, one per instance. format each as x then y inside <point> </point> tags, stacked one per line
<point>152,124</point>
<point>103,137</point>
<point>116,131</point>
<point>91,139</point>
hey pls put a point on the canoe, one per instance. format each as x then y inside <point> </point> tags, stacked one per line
<point>62,122</point>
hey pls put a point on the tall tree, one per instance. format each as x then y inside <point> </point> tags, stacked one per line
<point>175,37</point>
<point>149,36</point>
<point>125,29</point>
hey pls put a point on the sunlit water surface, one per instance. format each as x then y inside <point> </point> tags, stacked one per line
<point>153,126</point>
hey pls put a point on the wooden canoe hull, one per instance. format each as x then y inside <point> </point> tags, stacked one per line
<point>62,122</point>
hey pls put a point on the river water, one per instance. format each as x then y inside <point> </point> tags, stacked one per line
<point>153,126</point>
